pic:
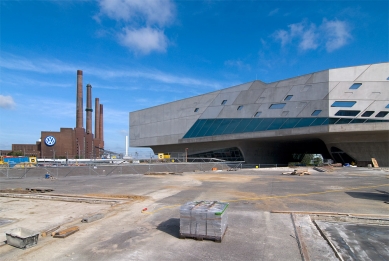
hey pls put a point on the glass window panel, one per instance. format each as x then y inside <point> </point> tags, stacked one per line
<point>276,124</point>
<point>387,106</point>
<point>381,114</point>
<point>358,121</point>
<point>316,112</point>
<point>264,124</point>
<point>277,106</point>
<point>193,129</point>
<point>343,121</point>
<point>222,126</point>
<point>242,125</point>
<point>369,121</point>
<point>240,107</point>
<point>257,114</point>
<point>199,127</point>
<point>367,113</point>
<point>355,86</point>
<point>231,127</point>
<point>347,113</point>
<point>305,122</point>
<point>205,128</point>
<point>196,110</point>
<point>318,121</point>
<point>252,125</point>
<point>224,102</point>
<point>213,127</point>
<point>288,97</point>
<point>290,123</point>
<point>326,121</point>
<point>333,120</point>
<point>343,104</point>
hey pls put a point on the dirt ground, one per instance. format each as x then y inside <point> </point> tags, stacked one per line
<point>143,224</point>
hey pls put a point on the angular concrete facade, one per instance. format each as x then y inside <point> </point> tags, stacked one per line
<point>340,113</point>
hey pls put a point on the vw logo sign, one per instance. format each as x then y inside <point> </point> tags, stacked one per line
<point>50,141</point>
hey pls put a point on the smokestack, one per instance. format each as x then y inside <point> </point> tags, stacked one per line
<point>127,145</point>
<point>101,125</point>
<point>88,109</point>
<point>79,103</point>
<point>97,118</point>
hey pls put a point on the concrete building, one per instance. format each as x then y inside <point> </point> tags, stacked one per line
<point>339,113</point>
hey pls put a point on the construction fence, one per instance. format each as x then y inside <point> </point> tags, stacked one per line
<point>123,169</point>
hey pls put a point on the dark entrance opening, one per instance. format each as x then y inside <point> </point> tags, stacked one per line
<point>340,156</point>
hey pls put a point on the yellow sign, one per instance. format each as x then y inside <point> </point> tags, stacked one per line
<point>160,155</point>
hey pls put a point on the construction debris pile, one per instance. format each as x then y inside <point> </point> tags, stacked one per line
<point>299,172</point>
<point>203,220</point>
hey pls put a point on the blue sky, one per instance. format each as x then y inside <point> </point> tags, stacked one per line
<point>141,53</point>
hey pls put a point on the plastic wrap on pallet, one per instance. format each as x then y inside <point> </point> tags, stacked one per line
<point>204,218</point>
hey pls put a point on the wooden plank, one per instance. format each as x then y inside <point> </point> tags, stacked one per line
<point>66,232</point>
<point>300,241</point>
<point>375,163</point>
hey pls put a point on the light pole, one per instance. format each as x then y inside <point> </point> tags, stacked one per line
<point>186,154</point>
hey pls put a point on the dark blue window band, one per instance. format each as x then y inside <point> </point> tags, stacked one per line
<point>213,127</point>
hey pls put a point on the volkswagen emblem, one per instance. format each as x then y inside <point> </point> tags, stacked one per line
<point>50,141</point>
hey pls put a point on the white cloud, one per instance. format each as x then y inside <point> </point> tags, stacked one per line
<point>283,36</point>
<point>308,36</point>
<point>17,63</point>
<point>144,40</point>
<point>273,12</point>
<point>159,12</point>
<point>6,102</point>
<point>338,34</point>
<point>144,21</point>
<point>238,63</point>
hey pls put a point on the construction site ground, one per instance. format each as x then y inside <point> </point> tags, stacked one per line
<point>337,215</point>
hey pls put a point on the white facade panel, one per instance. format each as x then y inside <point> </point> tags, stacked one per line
<point>347,74</point>
<point>375,72</point>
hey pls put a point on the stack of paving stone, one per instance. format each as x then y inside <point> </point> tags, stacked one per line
<point>203,220</point>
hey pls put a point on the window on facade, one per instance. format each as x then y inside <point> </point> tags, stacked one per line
<point>196,110</point>
<point>387,106</point>
<point>288,97</point>
<point>355,86</point>
<point>343,104</point>
<point>257,114</point>
<point>224,102</point>
<point>277,106</point>
<point>382,114</point>
<point>240,107</point>
<point>316,112</point>
<point>367,113</point>
<point>347,113</point>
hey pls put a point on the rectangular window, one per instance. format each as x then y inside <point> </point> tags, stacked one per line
<point>382,114</point>
<point>224,102</point>
<point>343,104</point>
<point>277,106</point>
<point>196,110</point>
<point>347,113</point>
<point>316,112</point>
<point>240,107</point>
<point>367,114</point>
<point>387,106</point>
<point>288,97</point>
<point>257,114</point>
<point>355,86</point>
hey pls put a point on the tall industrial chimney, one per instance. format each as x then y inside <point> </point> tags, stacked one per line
<point>88,109</point>
<point>79,98</point>
<point>97,119</point>
<point>101,125</point>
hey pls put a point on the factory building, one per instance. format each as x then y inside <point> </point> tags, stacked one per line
<point>79,142</point>
<point>340,113</point>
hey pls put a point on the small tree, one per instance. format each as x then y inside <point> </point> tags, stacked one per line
<point>307,159</point>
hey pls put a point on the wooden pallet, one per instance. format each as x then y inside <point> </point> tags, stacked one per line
<point>202,237</point>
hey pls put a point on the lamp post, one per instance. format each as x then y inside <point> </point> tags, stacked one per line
<point>186,154</point>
